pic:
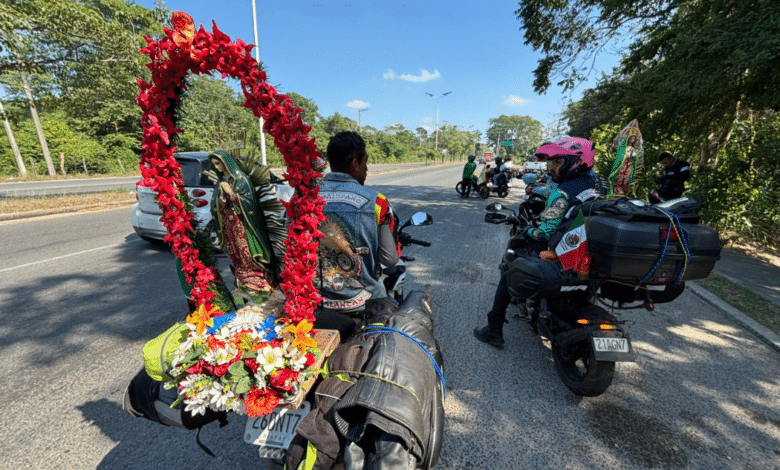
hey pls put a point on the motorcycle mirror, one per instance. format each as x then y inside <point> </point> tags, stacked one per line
<point>495,207</point>
<point>420,218</point>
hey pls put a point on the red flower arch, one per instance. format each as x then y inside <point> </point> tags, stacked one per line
<point>183,51</point>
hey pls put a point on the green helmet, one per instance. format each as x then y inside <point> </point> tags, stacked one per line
<point>472,158</point>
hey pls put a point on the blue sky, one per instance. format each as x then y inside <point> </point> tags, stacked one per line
<point>386,55</point>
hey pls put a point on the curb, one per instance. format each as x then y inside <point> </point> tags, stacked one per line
<point>762,332</point>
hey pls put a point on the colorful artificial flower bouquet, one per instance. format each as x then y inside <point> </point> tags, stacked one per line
<point>246,362</point>
<point>243,361</point>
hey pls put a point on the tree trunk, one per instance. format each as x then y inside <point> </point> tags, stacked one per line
<point>714,142</point>
<point>84,162</point>
<point>14,147</point>
<point>38,127</point>
<point>62,163</point>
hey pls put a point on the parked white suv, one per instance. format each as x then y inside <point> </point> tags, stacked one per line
<point>146,213</point>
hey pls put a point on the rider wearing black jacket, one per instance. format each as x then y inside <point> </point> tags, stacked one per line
<point>676,173</point>
<point>572,160</point>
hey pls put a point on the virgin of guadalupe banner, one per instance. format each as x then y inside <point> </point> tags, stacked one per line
<point>629,160</point>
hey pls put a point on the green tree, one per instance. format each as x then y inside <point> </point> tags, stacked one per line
<point>51,34</point>
<point>79,152</point>
<point>691,68</point>
<point>524,132</point>
<point>422,134</point>
<point>212,115</point>
<point>311,110</point>
<point>81,57</point>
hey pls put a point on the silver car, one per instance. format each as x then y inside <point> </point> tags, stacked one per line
<point>146,213</point>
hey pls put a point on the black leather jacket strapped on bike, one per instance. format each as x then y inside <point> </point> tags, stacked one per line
<point>382,401</point>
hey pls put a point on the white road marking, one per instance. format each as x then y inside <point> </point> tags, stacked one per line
<point>65,256</point>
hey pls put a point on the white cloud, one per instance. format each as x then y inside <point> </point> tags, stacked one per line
<point>357,104</point>
<point>428,119</point>
<point>516,101</point>
<point>425,76</point>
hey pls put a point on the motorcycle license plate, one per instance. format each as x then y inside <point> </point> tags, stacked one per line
<point>276,430</point>
<point>612,347</point>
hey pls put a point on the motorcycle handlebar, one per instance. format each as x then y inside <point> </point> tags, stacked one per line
<point>419,242</point>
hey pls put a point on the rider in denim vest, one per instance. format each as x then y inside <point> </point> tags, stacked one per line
<point>359,235</point>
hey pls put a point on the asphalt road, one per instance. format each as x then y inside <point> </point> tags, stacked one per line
<point>80,295</point>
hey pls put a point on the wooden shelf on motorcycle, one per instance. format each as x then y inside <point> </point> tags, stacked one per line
<point>327,342</point>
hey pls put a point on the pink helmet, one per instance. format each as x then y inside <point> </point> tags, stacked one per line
<point>579,154</point>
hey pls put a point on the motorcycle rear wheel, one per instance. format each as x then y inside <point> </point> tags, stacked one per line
<point>459,188</point>
<point>581,372</point>
<point>484,192</point>
<point>503,191</point>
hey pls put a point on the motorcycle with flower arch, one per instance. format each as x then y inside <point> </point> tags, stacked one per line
<point>388,360</point>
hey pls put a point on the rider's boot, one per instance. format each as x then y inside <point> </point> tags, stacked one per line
<point>491,335</point>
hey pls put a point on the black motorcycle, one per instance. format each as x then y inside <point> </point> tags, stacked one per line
<point>501,190</point>
<point>640,256</point>
<point>278,437</point>
<point>474,187</point>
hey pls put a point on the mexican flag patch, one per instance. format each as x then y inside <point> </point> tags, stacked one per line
<point>573,247</point>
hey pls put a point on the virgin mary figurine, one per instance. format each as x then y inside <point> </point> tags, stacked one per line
<point>629,160</point>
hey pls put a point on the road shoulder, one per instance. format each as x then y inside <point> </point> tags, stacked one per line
<point>762,332</point>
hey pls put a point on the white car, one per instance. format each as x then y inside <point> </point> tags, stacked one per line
<point>146,213</point>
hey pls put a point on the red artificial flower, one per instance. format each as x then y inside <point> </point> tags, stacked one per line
<point>260,402</point>
<point>172,57</point>
<point>201,367</point>
<point>310,359</point>
<point>221,369</point>
<point>252,364</point>
<point>283,379</point>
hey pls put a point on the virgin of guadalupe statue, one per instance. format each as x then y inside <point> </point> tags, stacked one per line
<point>629,160</point>
<point>243,229</point>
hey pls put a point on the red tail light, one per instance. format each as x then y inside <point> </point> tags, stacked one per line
<point>200,202</point>
<point>198,193</point>
<point>665,232</point>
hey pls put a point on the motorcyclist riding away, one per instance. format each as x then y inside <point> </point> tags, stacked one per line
<point>572,159</point>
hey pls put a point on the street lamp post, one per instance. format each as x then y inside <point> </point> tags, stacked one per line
<point>437,114</point>
<point>257,58</point>
<point>360,112</point>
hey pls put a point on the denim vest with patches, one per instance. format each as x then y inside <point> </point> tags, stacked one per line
<point>348,255</point>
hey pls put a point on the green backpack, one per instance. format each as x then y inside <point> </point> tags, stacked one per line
<point>158,352</point>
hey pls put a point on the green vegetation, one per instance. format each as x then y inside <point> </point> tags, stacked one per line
<point>748,302</point>
<point>699,77</point>
<point>69,67</point>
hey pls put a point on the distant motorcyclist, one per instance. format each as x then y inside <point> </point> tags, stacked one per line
<point>493,171</point>
<point>468,176</point>
<point>672,181</point>
<point>572,159</point>
<point>504,170</point>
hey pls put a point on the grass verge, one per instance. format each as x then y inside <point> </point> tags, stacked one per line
<point>65,203</point>
<point>747,302</point>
